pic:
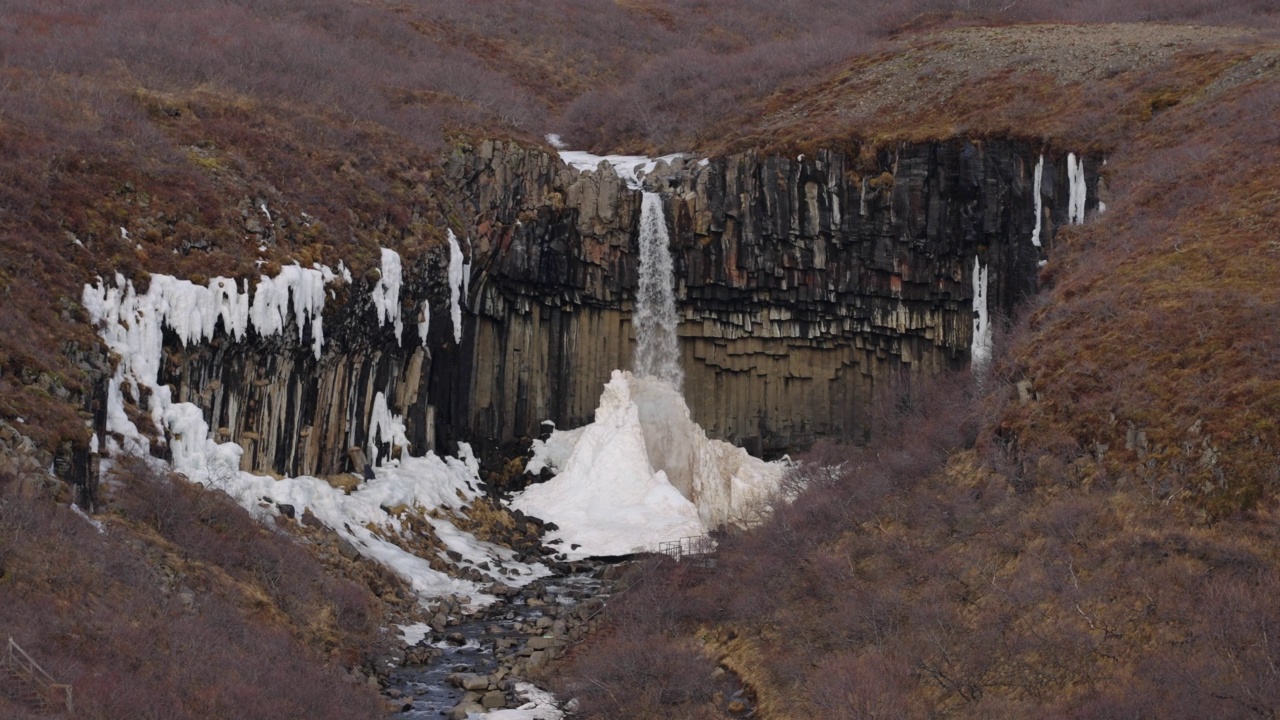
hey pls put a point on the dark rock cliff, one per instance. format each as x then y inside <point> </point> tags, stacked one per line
<point>802,282</point>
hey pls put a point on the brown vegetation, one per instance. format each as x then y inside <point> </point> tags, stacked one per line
<point>1090,536</point>
<point>184,607</point>
<point>1103,549</point>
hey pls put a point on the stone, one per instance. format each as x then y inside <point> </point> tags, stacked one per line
<point>462,710</point>
<point>347,550</point>
<point>493,699</point>
<point>475,682</point>
<point>542,643</point>
<point>536,660</point>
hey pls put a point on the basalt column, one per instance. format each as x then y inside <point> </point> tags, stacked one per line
<point>802,282</point>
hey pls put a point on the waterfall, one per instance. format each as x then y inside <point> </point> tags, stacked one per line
<point>644,473</point>
<point>657,352</point>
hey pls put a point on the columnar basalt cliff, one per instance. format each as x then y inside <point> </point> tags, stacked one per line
<point>802,282</point>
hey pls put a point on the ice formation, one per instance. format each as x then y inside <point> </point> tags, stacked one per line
<point>384,427</point>
<point>643,473</point>
<point>1035,233</point>
<point>657,351</point>
<point>305,288</point>
<point>458,272</point>
<point>1078,189</point>
<point>132,325</point>
<point>424,322</point>
<point>981,349</point>
<point>386,295</point>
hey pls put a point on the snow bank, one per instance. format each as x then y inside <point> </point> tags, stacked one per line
<point>132,325</point>
<point>539,705</point>
<point>643,473</point>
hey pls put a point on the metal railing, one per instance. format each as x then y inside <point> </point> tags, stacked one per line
<point>51,690</point>
<point>697,545</point>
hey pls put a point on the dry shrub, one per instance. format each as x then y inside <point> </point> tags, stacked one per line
<point>143,633</point>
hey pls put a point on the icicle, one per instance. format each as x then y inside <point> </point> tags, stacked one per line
<point>981,349</point>
<point>1035,234</point>
<point>424,322</point>
<point>386,295</point>
<point>384,426</point>
<point>1078,190</point>
<point>458,271</point>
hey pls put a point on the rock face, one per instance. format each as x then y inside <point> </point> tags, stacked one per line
<point>801,284</point>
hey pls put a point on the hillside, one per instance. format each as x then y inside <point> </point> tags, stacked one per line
<point>1083,529</point>
<point>1087,529</point>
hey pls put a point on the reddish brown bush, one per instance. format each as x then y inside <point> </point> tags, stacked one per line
<point>142,633</point>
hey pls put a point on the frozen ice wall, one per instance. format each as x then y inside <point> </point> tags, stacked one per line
<point>642,473</point>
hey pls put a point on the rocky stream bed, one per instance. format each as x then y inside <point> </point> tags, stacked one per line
<point>473,663</point>
<point>462,663</point>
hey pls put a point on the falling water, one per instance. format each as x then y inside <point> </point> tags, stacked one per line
<point>657,353</point>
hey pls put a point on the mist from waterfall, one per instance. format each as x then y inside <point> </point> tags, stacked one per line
<point>657,352</point>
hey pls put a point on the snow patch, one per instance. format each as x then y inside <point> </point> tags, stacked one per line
<point>97,524</point>
<point>539,705</point>
<point>415,633</point>
<point>631,168</point>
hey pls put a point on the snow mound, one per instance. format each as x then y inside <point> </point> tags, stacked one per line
<point>643,473</point>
